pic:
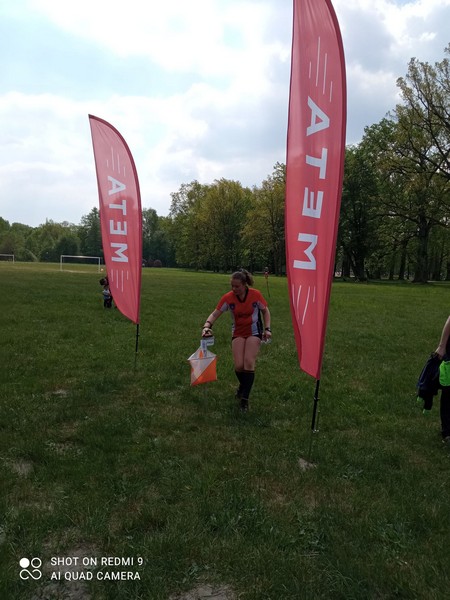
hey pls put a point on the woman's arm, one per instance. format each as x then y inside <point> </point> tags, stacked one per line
<point>266,316</point>
<point>440,350</point>
<point>209,322</point>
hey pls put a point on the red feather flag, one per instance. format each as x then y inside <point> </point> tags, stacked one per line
<point>314,172</point>
<point>120,216</point>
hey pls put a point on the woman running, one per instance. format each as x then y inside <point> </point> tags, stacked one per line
<point>246,306</point>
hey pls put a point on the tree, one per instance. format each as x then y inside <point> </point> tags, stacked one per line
<point>163,245</point>
<point>149,229</point>
<point>13,239</point>
<point>411,191</point>
<point>187,232</point>
<point>89,233</point>
<point>156,239</point>
<point>41,241</point>
<point>12,242</point>
<point>69,244</point>
<point>4,226</point>
<point>426,96</point>
<point>263,233</point>
<point>222,217</point>
<point>423,149</point>
<point>358,223</point>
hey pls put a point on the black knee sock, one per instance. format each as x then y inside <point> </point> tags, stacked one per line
<point>248,377</point>
<point>240,376</point>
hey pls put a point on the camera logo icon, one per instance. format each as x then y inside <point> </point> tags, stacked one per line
<point>30,568</point>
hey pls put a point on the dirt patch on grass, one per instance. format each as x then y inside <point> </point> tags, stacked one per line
<point>66,589</point>
<point>207,592</point>
<point>305,465</point>
<point>20,467</point>
<point>62,448</point>
<point>73,590</point>
<point>61,393</point>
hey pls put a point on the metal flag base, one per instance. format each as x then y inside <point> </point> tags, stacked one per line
<point>315,419</point>
<point>137,346</point>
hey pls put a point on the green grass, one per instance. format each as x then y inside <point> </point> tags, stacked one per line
<point>100,459</point>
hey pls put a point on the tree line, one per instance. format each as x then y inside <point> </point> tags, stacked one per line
<point>218,227</point>
<point>394,218</point>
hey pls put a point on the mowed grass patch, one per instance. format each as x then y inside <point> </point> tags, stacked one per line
<point>99,458</point>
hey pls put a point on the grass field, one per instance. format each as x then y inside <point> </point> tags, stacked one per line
<point>99,459</point>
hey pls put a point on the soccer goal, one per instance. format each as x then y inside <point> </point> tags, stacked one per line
<point>7,257</point>
<point>68,259</point>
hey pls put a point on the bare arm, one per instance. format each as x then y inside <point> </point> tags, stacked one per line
<point>440,350</point>
<point>266,315</point>
<point>209,322</point>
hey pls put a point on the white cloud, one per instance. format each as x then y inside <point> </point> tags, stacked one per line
<point>207,37</point>
<point>198,89</point>
<point>380,37</point>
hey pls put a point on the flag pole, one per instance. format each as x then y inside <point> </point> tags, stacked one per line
<point>137,344</point>
<point>315,418</point>
<point>266,275</point>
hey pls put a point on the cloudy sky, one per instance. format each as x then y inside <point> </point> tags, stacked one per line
<point>198,89</point>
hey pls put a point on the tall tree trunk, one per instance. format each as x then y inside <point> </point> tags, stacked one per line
<point>345,266</point>
<point>392,263</point>
<point>441,261</point>
<point>421,270</point>
<point>358,268</point>
<point>403,255</point>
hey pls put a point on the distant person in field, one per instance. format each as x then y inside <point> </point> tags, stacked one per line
<point>443,351</point>
<point>250,324</point>
<point>107,296</point>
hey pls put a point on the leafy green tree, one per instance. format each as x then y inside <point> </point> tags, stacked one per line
<point>222,219</point>
<point>358,223</point>
<point>149,228</point>
<point>89,233</point>
<point>263,233</point>
<point>156,238</point>
<point>411,191</point>
<point>161,247</point>
<point>13,238</point>
<point>4,226</point>
<point>187,230</point>
<point>12,242</point>
<point>426,103</point>
<point>394,233</point>
<point>165,249</point>
<point>439,259</point>
<point>69,244</point>
<point>41,241</point>
<point>423,149</point>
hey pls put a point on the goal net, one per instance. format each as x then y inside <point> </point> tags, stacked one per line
<point>7,257</point>
<point>67,262</point>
